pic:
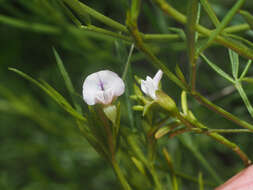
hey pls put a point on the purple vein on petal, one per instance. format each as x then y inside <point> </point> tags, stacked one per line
<point>101,85</point>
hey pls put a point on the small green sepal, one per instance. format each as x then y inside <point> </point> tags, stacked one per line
<point>111,113</point>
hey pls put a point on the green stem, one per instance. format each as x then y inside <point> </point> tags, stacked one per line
<point>210,12</point>
<point>127,63</point>
<point>155,178</point>
<point>224,131</point>
<point>232,146</point>
<point>106,32</point>
<point>192,179</point>
<point>158,64</point>
<point>120,176</point>
<point>245,70</point>
<point>237,28</point>
<point>82,13</point>
<point>146,37</point>
<point>163,38</point>
<point>240,49</point>
<point>244,97</point>
<point>81,9</point>
<point>223,24</point>
<point>138,152</point>
<point>132,24</point>
<point>170,164</point>
<point>70,14</point>
<point>35,27</point>
<point>221,111</point>
<point>192,15</point>
<point>200,179</point>
<point>239,38</point>
<point>188,177</point>
<point>190,123</point>
<point>160,37</point>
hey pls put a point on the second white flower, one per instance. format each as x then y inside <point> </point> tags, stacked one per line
<point>150,86</point>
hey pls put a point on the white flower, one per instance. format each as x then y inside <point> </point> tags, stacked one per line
<point>102,87</point>
<point>149,86</point>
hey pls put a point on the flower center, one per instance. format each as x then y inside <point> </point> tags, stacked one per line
<point>101,84</point>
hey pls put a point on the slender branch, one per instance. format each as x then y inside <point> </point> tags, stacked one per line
<point>132,24</point>
<point>163,38</point>
<point>156,62</point>
<point>140,155</point>
<point>222,25</point>
<point>35,27</point>
<point>120,176</point>
<point>107,32</point>
<point>244,97</point>
<point>210,12</point>
<point>190,123</point>
<point>128,62</point>
<point>160,37</point>
<point>81,8</point>
<point>237,28</point>
<point>49,29</point>
<point>181,18</point>
<point>192,36</point>
<point>223,131</point>
<point>240,49</point>
<point>171,167</point>
<point>221,111</point>
<point>192,179</point>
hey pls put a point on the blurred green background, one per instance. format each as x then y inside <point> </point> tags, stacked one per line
<point>40,145</point>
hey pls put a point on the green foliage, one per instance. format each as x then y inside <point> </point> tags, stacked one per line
<point>50,139</point>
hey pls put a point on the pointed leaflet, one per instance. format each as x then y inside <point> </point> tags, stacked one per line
<point>53,94</point>
<point>67,80</point>
<point>217,69</point>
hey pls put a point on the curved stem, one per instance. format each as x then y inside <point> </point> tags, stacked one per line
<point>157,63</point>
<point>190,123</point>
<point>132,24</point>
<point>221,111</point>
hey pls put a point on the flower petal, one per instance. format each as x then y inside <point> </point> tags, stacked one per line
<point>112,81</point>
<point>144,86</point>
<point>158,77</point>
<point>104,97</point>
<point>149,86</point>
<point>90,88</point>
<point>102,87</point>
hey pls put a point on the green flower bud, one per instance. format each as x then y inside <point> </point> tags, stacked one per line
<point>138,108</point>
<point>166,102</point>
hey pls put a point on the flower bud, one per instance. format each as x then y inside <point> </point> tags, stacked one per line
<point>166,102</point>
<point>138,108</point>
